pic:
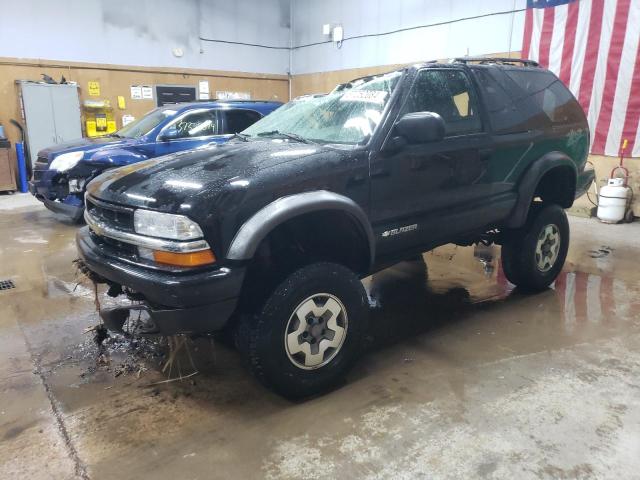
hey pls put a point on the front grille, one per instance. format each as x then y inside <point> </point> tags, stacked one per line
<point>120,247</point>
<point>37,174</point>
<point>111,215</point>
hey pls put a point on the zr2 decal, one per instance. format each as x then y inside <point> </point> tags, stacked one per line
<point>396,231</point>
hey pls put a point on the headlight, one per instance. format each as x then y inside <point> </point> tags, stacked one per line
<point>64,162</point>
<point>165,225</point>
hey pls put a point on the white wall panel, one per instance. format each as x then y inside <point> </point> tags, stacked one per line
<point>144,32</point>
<point>489,34</point>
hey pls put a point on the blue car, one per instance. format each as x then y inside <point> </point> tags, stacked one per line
<point>61,172</point>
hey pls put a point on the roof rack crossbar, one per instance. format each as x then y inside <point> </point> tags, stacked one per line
<point>501,60</point>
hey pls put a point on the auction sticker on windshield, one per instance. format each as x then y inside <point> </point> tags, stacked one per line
<point>371,96</point>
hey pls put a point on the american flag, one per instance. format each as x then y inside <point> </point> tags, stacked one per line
<point>592,45</point>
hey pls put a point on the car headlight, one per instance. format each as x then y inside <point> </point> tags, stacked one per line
<point>64,162</point>
<point>165,225</point>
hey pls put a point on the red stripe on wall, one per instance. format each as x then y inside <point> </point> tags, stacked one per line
<point>607,300</point>
<point>545,36</point>
<point>528,31</point>
<point>633,108</point>
<point>591,54</point>
<point>569,41</point>
<point>611,79</point>
<point>561,289</point>
<point>580,296</point>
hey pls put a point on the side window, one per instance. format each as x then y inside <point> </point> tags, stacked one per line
<point>548,95</point>
<point>560,105</point>
<point>449,94</point>
<point>238,120</point>
<point>508,113</point>
<point>200,123</point>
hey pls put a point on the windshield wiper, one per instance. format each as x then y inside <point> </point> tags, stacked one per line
<point>292,136</point>
<point>115,135</point>
<point>241,136</point>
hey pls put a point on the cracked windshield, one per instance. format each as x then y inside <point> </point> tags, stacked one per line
<point>348,116</point>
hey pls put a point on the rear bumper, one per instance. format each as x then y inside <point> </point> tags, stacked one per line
<point>177,302</point>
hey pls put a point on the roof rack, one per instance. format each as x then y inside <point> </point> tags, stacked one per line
<point>220,100</point>
<point>230,100</point>
<point>500,60</point>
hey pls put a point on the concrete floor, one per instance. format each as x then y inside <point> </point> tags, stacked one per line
<point>464,377</point>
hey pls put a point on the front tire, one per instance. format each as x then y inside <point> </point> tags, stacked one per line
<point>309,331</point>
<point>533,256</point>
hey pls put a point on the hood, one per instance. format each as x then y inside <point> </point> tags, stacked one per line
<point>185,180</point>
<point>88,145</point>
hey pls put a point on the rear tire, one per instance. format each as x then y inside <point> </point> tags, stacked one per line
<point>533,256</point>
<point>309,331</point>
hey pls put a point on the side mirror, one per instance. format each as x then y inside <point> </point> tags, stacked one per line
<point>421,127</point>
<point>170,133</point>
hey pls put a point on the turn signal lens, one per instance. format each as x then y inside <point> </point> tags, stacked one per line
<point>191,259</point>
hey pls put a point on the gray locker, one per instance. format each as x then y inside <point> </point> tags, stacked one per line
<point>52,115</point>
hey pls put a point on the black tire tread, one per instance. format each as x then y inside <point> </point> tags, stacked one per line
<point>517,255</point>
<point>251,328</point>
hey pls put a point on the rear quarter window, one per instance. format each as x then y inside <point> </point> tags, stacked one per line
<point>505,102</point>
<point>518,100</point>
<point>548,93</point>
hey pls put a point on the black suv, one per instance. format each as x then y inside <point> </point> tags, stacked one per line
<point>269,235</point>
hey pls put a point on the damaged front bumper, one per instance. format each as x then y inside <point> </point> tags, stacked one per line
<point>199,320</point>
<point>189,302</point>
<point>58,192</point>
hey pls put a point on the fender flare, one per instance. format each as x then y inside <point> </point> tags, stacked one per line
<point>529,181</point>
<point>255,229</point>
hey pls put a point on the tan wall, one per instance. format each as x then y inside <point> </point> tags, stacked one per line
<point>325,82</point>
<point>116,80</point>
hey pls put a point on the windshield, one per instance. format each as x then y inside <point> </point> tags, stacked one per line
<point>144,125</point>
<point>346,116</point>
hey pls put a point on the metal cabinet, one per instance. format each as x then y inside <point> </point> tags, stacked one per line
<point>52,115</point>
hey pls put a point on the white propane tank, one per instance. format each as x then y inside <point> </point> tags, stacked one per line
<point>612,201</point>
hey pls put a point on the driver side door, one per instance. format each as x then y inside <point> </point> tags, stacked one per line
<point>418,188</point>
<point>189,130</point>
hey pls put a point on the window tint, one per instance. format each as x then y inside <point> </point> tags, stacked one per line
<point>548,94</point>
<point>238,120</point>
<point>509,112</point>
<point>200,123</point>
<point>560,105</point>
<point>449,94</point>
